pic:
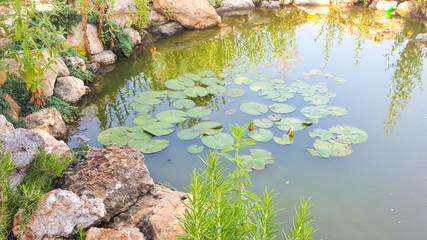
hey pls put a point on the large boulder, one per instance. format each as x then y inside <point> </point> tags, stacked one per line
<point>60,215</point>
<point>48,119</point>
<point>135,37</point>
<point>15,111</point>
<point>76,39</point>
<point>115,174</point>
<point>5,126</point>
<point>168,29</point>
<point>420,38</point>
<point>52,145</point>
<point>120,12</point>
<point>310,2</point>
<point>3,77</point>
<point>76,61</point>
<point>237,4</point>
<point>405,9</point>
<point>70,89</point>
<point>155,214</point>
<point>112,234</point>
<point>155,19</point>
<point>106,57</point>
<point>382,5</point>
<point>270,4</point>
<point>196,14</point>
<point>22,144</point>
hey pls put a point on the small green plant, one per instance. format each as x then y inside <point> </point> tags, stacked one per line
<point>215,3</point>
<point>140,14</point>
<point>168,13</point>
<point>301,226</point>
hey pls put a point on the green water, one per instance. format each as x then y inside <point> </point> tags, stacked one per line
<point>377,192</point>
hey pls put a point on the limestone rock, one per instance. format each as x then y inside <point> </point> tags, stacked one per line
<point>115,174</point>
<point>69,89</point>
<point>104,58</point>
<point>405,9</point>
<point>15,111</point>
<point>155,214</point>
<point>44,7</point>
<point>121,12</point>
<point>237,4</point>
<point>48,119</point>
<point>5,126</point>
<point>311,2</point>
<point>155,19</point>
<point>196,14</point>
<point>60,215</point>
<point>76,61</point>
<point>3,77</point>
<point>168,29</point>
<point>112,234</point>
<point>270,4</point>
<point>93,67</point>
<point>146,37</point>
<point>52,145</point>
<point>382,5</point>
<point>22,145</point>
<point>76,39</point>
<point>134,36</point>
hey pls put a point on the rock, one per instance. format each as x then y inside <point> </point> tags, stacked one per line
<point>155,214</point>
<point>60,215</point>
<point>311,2</point>
<point>93,67</point>
<point>4,41</point>
<point>121,12</point>
<point>48,119</point>
<point>76,39</point>
<point>5,126</point>
<point>237,4</point>
<point>3,77</point>
<point>15,111</point>
<point>112,234</point>
<point>196,14</point>
<point>22,145</point>
<point>52,145</point>
<point>422,37</point>
<point>155,19</point>
<point>104,58</point>
<point>146,37</point>
<point>69,89</point>
<point>76,61</point>
<point>270,4</point>
<point>44,7</point>
<point>115,174</point>
<point>405,9</point>
<point>135,37</point>
<point>382,5</point>
<point>168,29</point>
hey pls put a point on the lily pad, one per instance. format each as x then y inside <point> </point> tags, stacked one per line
<point>216,89</point>
<point>223,75</point>
<point>337,111</point>
<point>319,88</point>
<point>137,133</point>
<point>196,91</point>
<point>284,140</point>
<point>261,135</point>
<point>253,108</point>
<point>207,73</point>
<point>263,123</point>
<point>159,128</point>
<point>271,94</point>
<point>317,99</point>
<point>314,112</point>
<point>282,108</point>
<point>286,123</point>
<point>243,80</point>
<point>144,120</point>
<point>234,92</point>
<point>307,92</point>
<point>210,81</point>
<point>277,81</point>
<point>208,127</point>
<point>258,159</point>
<point>183,104</point>
<point>192,76</point>
<point>195,149</point>
<point>238,70</point>
<point>339,79</point>
<point>172,116</point>
<point>115,135</point>
<point>316,72</point>
<point>218,141</point>
<point>146,99</point>
<point>340,149</point>
<point>188,134</point>
<point>321,133</point>
<point>329,148</point>
<point>348,134</point>
<point>179,83</point>
<point>199,112</point>
<point>149,145</point>
<point>230,111</point>
<point>300,85</point>
<point>177,95</point>
<point>141,108</point>
<point>264,86</point>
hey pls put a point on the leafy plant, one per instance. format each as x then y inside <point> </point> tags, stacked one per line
<point>140,14</point>
<point>301,226</point>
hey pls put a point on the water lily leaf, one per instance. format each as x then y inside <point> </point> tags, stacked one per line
<point>337,111</point>
<point>159,128</point>
<point>210,81</point>
<point>261,135</point>
<point>317,99</point>
<point>284,140</point>
<point>286,123</point>
<point>223,75</point>
<point>275,117</point>
<point>321,133</point>
<point>319,88</point>
<point>300,85</point>
<point>196,91</point>
<point>188,134</point>
<point>340,149</point>
<point>207,73</point>
<point>216,89</point>
<point>192,76</point>
<point>271,94</point>
<point>177,95</point>
<point>307,92</point>
<point>253,108</point>
<point>137,132</point>
<point>218,141</point>
<point>179,83</point>
<point>328,75</point>
<point>230,111</point>
<point>263,123</point>
<point>338,79</point>
<point>141,108</point>
<point>321,148</point>
<point>282,108</point>
<point>258,159</point>
<point>243,80</point>
<point>348,134</point>
<point>264,86</point>
<point>199,112</point>
<point>262,76</point>
<point>146,99</point>
<point>238,70</point>
<point>195,149</point>
<point>316,72</point>
<point>208,127</point>
<point>314,112</point>
<point>330,95</point>
<point>277,81</point>
<point>115,135</point>
<point>234,92</point>
<point>183,104</point>
<point>172,116</point>
<point>225,83</point>
<point>144,120</point>
<point>149,145</point>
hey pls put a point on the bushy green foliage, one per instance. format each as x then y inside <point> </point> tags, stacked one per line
<point>76,71</point>
<point>65,17</point>
<point>301,226</point>
<point>140,13</point>
<point>123,45</point>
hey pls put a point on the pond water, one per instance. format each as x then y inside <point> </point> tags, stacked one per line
<point>376,192</point>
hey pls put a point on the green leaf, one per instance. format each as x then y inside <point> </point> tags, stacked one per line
<point>317,99</point>
<point>210,81</point>
<point>196,91</point>
<point>115,135</point>
<point>348,134</point>
<point>337,111</point>
<point>143,120</point>
<point>314,112</point>
<point>242,80</point>
<point>261,135</point>
<point>286,123</point>
<point>188,134</point>
<point>251,195</point>
<point>218,141</point>
<point>319,88</point>
<point>253,108</point>
<point>216,89</point>
<point>208,127</point>
<point>177,95</point>
<point>141,108</point>
<point>195,149</point>
<point>159,128</point>
<point>234,92</point>
<point>263,123</point>
<point>192,76</point>
<point>264,86</point>
<point>321,148</point>
<point>183,104</point>
<point>223,75</point>
<point>137,133</point>
<point>321,133</point>
<point>282,108</point>
<point>316,72</point>
<point>145,99</point>
<point>300,85</point>
<point>284,140</point>
<point>338,79</point>
<point>199,112</point>
<point>207,73</point>
<point>257,160</point>
<point>179,83</point>
<point>172,116</point>
<point>149,145</point>
<point>270,94</point>
<point>340,149</point>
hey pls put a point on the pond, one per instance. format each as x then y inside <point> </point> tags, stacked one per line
<point>356,60</point>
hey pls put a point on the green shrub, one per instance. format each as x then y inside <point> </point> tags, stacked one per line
<point>65,17</point>
<point>141,13</point>
<point>76,71</point>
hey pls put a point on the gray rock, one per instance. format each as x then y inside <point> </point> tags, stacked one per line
<point>270,4</point>
<point>311,2</point>
<point>422,37</point>
<point>60,215</point>
<point>22,145</point>
<point>168,29</point>
<point>48,119</point>
<point>146,37</point>
<point>104,58</point>
<point>238,4</point>
<point>93,67</point>
<point>115,174</point>
<point>382,5</point>
<point>5,126</point>
<point>135,37</point>
<point>69,89</point>
<point>76,61</point>
<point>52,145</point>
